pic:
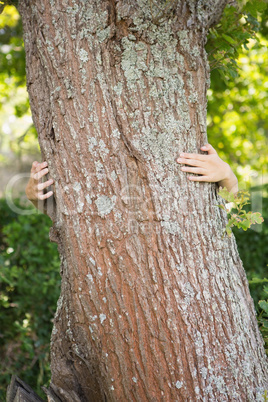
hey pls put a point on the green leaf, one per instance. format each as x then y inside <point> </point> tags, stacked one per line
<point>246,223</point>
<point>265,323</point>
<point>257,218</point>
<point>265,288</point>
<point>264,305</point>
<point>255,6</point>
<point>258,280</point>
<point>226,195</point>
<point>229,39</point>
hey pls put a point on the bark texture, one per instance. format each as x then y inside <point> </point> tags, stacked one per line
<point>155,304</point>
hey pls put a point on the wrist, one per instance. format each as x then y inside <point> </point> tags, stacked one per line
<point>230,181</point>
<point>29,196</point>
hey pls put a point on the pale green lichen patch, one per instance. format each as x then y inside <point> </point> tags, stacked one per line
<point>180,267</point>
<point>88,199</point>
<point>204,372</point>
<point>171,227</point>
<point>83,55</point>
<point>72,10</point>
<point>90,277</point>
<point>163,61</point>
<point>104,34</point>
<point>88,183</point>
<point>93,19</point>
<point>69,87</point>
<point>178,384</point>
<point>192,51</point>
<point>201,119</point>
<point>102,318</point>
<point>118,89</point>
<point>78,196</point>
<point>183,36</point>
<point>133,60</point>
<point>113,175</point>
<point>180,61</point>
<point>160,145</point>
<point>219,383</point>
<point>104,205</point>
<point>116,133</point>
<point>103,149</point>
<point>83,73</point>
<point>100,172</point>
<point>92,142</point>
<point>98,57</point>
<point>193,97</point>
<point>132,37</point>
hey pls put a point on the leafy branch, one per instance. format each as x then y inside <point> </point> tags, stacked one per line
<point>240,218</point>
<point>238,25</point>
<point>237,216</point>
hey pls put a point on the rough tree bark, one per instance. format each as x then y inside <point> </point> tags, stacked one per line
<point>154,304</point>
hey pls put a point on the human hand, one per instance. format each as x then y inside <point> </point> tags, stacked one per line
<point>211,168</point>
<point>35,187</point>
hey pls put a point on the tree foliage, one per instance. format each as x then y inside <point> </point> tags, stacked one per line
<point>237,215</point>
<point>252,246</point>
<point>12,56</point>
<point>238,25</point>
<point>237,117</point>
<point>29,289</point>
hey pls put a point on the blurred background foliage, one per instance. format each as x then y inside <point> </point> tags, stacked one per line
<point>18,137</point>
<point>29,289</point>
<point>237,128</point>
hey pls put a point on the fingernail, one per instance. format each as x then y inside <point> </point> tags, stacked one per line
<point>45,163</point>
<point>181,154</point>
<point>179,160</point>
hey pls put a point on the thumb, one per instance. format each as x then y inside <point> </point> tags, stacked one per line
<point>209,148</point>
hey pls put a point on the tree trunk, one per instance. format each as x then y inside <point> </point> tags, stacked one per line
<point>154,304</point>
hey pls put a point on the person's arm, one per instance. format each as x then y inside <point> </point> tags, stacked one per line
<point>211,168</point>
<point>34,189</point>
